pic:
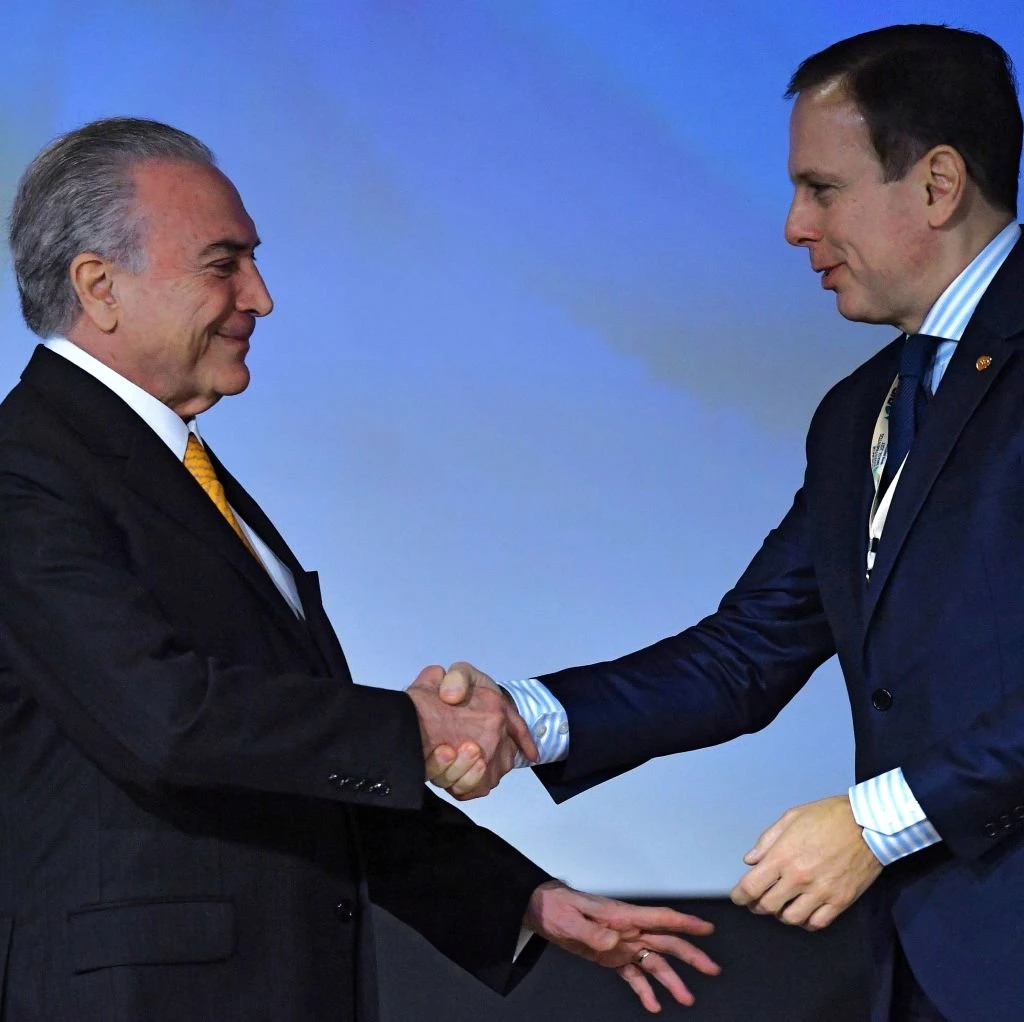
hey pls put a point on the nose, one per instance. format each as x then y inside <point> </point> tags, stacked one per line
<point>801,222</point>
<point>253,296</point>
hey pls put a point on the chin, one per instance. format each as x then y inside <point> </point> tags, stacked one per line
<point>233,382</point>
<point>855,313</point>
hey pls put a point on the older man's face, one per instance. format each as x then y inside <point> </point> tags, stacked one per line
<point>185,320</point>
<point>867,237</point>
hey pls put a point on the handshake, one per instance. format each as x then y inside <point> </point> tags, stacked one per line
<point>471,729</point>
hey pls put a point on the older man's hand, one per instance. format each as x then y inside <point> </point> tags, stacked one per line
<point>809,866</point>
<point>471,730</point>
<point>634,940</point>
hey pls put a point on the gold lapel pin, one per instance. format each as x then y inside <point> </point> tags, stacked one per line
<point>984,361</point>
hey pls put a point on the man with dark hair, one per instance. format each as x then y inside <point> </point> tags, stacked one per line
<point>196,803</point>
<point>904,155</point>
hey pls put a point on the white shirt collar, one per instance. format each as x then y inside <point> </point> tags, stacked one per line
<point>949,316</point>
<point>167,424</point>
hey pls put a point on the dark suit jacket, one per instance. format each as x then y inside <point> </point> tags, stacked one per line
<point>932,649</point>
<point>195,800</point>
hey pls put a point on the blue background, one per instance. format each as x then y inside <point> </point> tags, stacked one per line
<point>541,363</point>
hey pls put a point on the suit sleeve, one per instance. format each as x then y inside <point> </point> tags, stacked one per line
<point>971,784</point>
<point>90,644</point>
<point>729,675</point>
<point>459,885</point>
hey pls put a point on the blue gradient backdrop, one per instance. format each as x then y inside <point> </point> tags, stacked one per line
<point>541,363</point>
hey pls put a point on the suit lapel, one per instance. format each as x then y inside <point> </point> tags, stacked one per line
<point>309,593</point>
<point>848,505</point>
<point>114,431</point>
<point>999,316</point>
<point>158,477</point>
<point>320,627</point>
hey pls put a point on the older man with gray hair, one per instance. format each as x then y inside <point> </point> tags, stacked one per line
<point>196,802</point>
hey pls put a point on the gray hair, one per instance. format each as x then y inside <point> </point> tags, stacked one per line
<point>77,196</point>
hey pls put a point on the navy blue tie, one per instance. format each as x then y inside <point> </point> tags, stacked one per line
<point>908,404</point>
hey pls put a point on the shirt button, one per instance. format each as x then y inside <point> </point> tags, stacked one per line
<point>563,728</point>
<point>881,699</point>
<point>541,731</point>
<point>345,910</point>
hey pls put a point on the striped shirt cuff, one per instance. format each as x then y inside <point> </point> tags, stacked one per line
<point>894,823</point>
<point>545,717</point>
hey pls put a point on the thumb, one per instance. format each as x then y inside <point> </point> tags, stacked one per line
<point>598,937</point>
<point>455,686</point>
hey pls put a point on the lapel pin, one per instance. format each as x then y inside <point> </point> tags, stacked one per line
<point>984,361</point>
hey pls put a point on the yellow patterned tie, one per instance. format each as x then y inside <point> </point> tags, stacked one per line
<point>197,461</point>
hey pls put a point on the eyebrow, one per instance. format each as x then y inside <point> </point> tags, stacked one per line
<point>809,177</point>
<point>232,245</point>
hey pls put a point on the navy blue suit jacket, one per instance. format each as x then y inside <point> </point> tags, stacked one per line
<point>932,650</point>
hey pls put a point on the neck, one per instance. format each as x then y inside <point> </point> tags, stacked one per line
<point>959,245</point>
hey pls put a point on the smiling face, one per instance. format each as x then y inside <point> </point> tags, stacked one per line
<point>869,239</point>
<point>183,322</point>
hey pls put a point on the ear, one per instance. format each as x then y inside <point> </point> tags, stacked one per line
<point>945,180</point>
<point>92,277</point>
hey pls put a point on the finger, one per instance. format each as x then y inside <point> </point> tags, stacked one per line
<point>520,733</point>
<point>752,886</point>
<point>456,685</point>
<point>822,916</point>
<point>468,755</point>
<point>799,911</point>
<point>765,841</point>
<point>641,987</point>
<point>688,953</point>
<point>431,675</point>
<point>624,916</point>
<point>655,965</point>
<point>469,786</point>
<point>774,901</point>
<point>437,764</point>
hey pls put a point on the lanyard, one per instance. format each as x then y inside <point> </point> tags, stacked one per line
<point>879,449</point>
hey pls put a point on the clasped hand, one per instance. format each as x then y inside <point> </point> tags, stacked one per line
<point>809,866</point>
<point>469,727</point>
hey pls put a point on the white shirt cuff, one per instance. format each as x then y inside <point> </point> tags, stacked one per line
<point>894,823</point>
<point>545,717</point>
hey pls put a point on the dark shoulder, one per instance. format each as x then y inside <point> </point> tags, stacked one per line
<point>20,410</point>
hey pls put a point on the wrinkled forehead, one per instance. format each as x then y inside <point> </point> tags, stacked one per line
<point>189,204</point>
